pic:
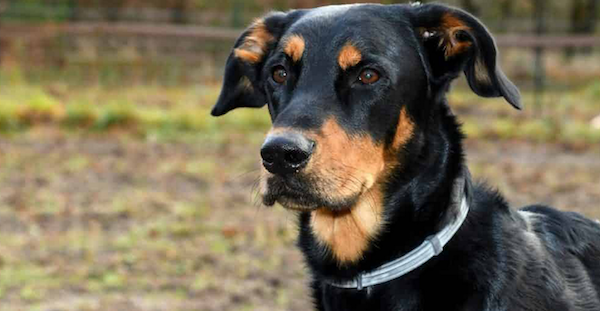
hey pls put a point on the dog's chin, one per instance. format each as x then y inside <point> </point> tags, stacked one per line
<point>305,199</point>
<point>305,205</point>
<point>294,205</point>
<point>302,193</point>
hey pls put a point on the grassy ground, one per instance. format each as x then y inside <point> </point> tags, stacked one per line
<point>134,199</point>
<point>157,110</point>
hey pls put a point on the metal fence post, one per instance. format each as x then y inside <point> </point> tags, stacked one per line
<point>539,70</point>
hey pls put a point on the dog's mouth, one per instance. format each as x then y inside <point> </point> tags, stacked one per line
<point>302,193</point>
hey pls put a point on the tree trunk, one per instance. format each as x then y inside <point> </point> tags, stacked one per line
<point>539,65</point>
<point>506,14</point>
<point>179,11</point>
<point>112,9</point>
<point>592,9</point>
<point>74,13</point>
<point>592,18</point>
<point>583,21</point>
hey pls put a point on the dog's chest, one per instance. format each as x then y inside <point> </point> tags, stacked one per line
<point>370,299</point>
<point>392,303</point>
<point>395,299</point>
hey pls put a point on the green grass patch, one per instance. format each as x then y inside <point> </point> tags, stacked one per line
<point>148,109</point>
<point>173,111</point>
<point>31,281</point>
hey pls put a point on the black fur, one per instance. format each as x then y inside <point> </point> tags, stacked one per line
<point>501,259</point>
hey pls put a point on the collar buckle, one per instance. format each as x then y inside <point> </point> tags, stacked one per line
<point>359,281</point>
<point>436,244</point>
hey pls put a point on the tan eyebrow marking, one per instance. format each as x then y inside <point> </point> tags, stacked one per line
<point>349,56</point>
<point>294,47</point>
<point>255,44</point>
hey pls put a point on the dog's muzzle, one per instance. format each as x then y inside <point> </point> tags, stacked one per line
<point>286,153</point>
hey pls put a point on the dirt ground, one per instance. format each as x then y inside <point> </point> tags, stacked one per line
<point>115,222</point>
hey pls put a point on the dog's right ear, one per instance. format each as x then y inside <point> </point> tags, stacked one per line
<point>452,41</point>
<point>241,84</point>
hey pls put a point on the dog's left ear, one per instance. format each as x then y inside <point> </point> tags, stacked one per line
<point>241,84</point>
<point>452,41</point>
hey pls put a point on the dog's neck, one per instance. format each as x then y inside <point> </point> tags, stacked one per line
<point>418,202</point>
<point>431,247</point>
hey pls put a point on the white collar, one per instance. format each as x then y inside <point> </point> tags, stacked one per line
<point>431,247</point>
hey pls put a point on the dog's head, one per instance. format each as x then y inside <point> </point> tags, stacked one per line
<point>348,88</point>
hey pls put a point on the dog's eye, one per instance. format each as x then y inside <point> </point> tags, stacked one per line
<point>368,76</point>
<point>279,74</point>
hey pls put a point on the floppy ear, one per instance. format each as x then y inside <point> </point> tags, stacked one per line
<point>241,84</point>
<point>452,40</point>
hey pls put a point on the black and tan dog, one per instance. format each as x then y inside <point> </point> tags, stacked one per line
<point>365,148</point>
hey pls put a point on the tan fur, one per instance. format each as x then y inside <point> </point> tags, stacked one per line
<point>248,56</point>
<point>451,26</point>
<point>450,21</point>
<point>354,162</point>
<point>346,167</point>
<point>404,131</point>
<point>348,234</point>
<point>349,56</point>
<point>446,32</point>
<point>350,166</point>
<point>294,47</point>
<point>255,44</point>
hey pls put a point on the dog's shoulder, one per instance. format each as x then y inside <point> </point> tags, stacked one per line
<point>564,231</point>
<point>561,231</point>
<point>538,251</point>
<point>565,262</point>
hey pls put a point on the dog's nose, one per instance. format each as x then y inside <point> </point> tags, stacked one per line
<point>286,153</point>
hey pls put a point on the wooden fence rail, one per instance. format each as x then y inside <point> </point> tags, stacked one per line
<point>15,31</point>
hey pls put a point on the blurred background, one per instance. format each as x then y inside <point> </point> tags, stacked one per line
<point>118,191</point>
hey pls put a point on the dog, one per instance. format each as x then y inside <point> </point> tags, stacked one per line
<point>366,150</point>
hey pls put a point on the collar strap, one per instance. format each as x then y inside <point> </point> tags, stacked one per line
<point>431,247</point>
